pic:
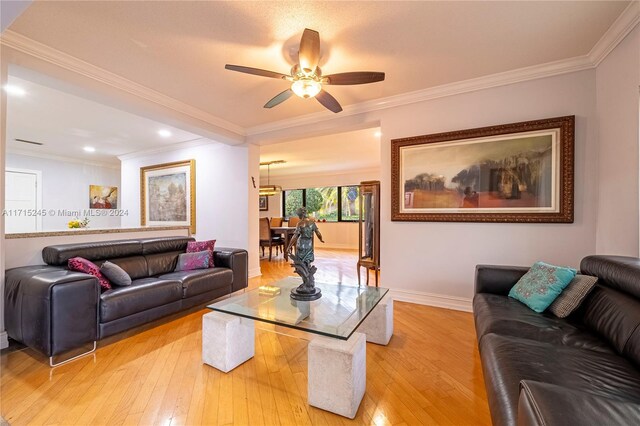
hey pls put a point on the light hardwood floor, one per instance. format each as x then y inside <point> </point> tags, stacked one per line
<point>429,374</point>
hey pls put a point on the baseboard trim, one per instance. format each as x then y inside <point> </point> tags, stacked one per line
<point>430,299</point>
<point>4,340</point>
<point>255,272</point>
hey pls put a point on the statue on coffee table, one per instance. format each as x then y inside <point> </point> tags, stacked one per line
<point>303,241</point>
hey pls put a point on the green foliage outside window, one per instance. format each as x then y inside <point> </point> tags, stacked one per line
<point>293,201</point>
<point>350,202</point>
<point>329,203</point>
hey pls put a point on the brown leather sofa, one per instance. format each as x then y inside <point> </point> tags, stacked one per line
<point>543,370</point>
<point>53,310</point>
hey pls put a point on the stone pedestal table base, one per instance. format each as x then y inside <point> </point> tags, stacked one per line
<point>227,340</point>
<point>337,374</point>
<point>378,326</point>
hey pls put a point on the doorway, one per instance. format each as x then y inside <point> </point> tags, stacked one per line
<point>23,200</point>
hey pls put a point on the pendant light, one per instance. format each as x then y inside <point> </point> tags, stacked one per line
<point>269,189</point>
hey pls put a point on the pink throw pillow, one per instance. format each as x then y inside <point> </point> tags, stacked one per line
<point>80,264</point>
<point>196,246</point>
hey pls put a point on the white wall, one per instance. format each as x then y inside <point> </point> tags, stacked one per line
<point>222,190</point>
<point>433,262</point>
<point>617,85</point>
<point>65,186</point>
<point>254,235</point>
<point>338,235</point>
<point>4,341</point>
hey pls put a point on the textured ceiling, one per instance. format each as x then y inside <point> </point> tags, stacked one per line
<point>180,48</point>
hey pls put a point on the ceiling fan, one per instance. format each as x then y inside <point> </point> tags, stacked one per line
<point>306,77</point>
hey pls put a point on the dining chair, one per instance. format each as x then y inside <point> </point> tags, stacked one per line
<point>267,239</point>
<point>293,221</point>
<point>276,221</point>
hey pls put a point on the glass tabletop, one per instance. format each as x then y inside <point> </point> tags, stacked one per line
<point>337,314</point>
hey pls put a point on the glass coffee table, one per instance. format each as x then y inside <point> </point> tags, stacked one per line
<point>339,324</point>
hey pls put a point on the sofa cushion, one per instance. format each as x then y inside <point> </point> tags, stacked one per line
<point>79,264</point>
<point>142,294</point>
<point>164,244</point>
<point>201,280</point>
<point>196,246</point>
<point>135,266</point>
<point>505,316</point>
<point>115,274</point>
<point>541,285</point>
<point>192,261</point>
<point>58,255</point>
<point>573,295</point>
<point>507,360</point>
<point>162,263</point>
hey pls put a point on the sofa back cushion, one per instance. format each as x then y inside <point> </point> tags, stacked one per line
<point>162,263</point>
<point>164,244</point>
<point>59,255</point>
<point>612,309</point>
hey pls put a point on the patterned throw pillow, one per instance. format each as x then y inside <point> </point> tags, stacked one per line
<point>80,264</point>
<point>115,274</point>
<point>196,246</point>
<point>191,261</point>
<point>539,287</point>
<point>573,295</point>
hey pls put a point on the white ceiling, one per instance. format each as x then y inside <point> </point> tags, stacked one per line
<point>337,153</point>
<point>180,48</point>
<point>65,124</point>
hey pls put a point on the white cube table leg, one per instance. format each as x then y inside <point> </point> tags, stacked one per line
<point>378,326</point>
<point>227,340</point>
<point>337,374</point>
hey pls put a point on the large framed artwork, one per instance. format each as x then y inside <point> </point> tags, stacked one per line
<point>168,194</point>
<point>103,197</point>
<point>263,202</point>
<point>521,172</point>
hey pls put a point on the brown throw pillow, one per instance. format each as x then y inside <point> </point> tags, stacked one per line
<point>572,296</point>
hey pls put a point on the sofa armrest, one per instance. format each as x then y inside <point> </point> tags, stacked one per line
<point>497,279</point>
<point>51,309</point>
<point>546,404</point>
<point>237,261</point>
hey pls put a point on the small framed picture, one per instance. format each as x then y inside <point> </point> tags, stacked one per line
<point>264,203</point>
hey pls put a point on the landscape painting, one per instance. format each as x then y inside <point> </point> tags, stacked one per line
<point>103,197</point>
<point>168,194</point>
<point>510,173</point>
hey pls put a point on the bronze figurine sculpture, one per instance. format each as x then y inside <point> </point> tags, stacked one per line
<point>303,241</point>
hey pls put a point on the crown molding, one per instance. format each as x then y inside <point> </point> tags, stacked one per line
<point>282,179</point>
<point>620,28</point>
<point>60,158</point>
<point>168,148</point>
<point>49,54</point>
<point>534,72</point>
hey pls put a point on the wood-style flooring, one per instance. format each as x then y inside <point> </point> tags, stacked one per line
<point>429,374</point>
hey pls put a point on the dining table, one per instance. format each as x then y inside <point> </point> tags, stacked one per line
<point>287,231</point>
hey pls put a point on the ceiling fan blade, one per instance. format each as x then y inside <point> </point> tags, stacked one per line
<point>358,77</point>
<point>328,101</point>
<point>309,53</point>
<point>256,71</point>
<point>279,98</point>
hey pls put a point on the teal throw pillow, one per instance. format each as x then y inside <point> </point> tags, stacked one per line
<point>539,287</point>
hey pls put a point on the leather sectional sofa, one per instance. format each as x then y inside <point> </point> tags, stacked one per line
<point>53,310</point>
<point>543,370</point>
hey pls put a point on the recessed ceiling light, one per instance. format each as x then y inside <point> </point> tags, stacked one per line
<point>89,149</point>
<point>164,133</point>
<point>14,90</point>
<point>377,134</point>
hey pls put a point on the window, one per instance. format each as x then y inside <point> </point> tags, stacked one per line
<point>292,200</point>
<point>349,203</point>
<point>329,203</point>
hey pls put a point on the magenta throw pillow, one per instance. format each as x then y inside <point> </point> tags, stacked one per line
<point>80,264</point>
<point>191,261</point>
<point>196,246</point>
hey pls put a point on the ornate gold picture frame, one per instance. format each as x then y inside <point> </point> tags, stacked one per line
<point>168,194</point>
<point>520,172</point>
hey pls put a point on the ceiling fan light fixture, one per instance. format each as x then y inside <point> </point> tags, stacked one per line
<point>306,87</point>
